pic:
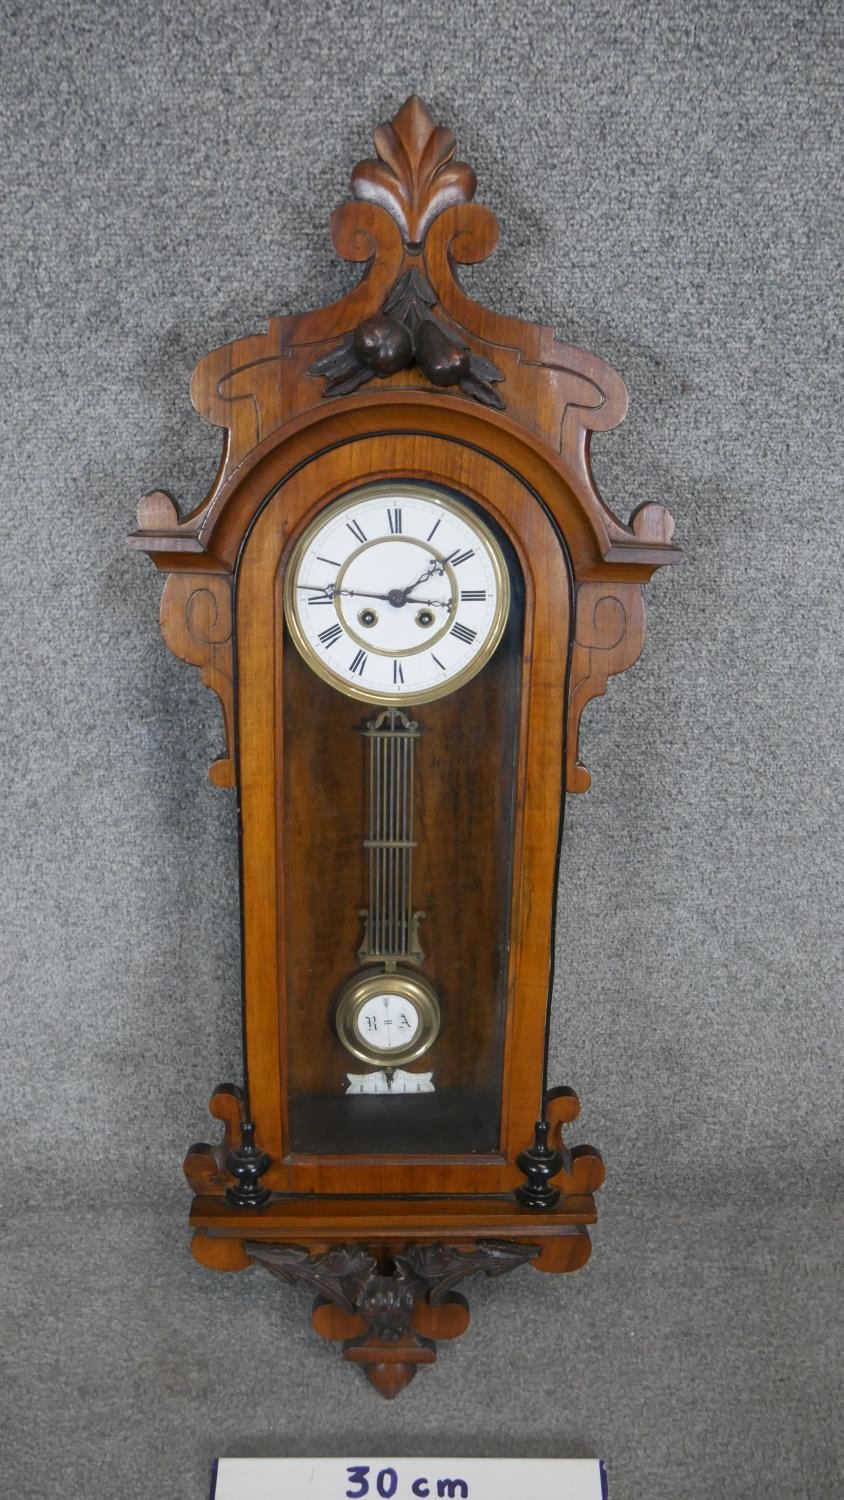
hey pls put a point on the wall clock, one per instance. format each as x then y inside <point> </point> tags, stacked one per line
<point>404,587</point>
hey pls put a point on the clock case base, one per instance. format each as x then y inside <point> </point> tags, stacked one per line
<point>384,1270</point>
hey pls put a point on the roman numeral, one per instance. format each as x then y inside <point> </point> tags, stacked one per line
<point>394,518</point>
<point>473,596</point>
<point>398,674</point>
<point>320,599</point>
<point>440,664</point>
<point>329,636</point>
<point>356,530</point>
<point>329,560</point>
<point>359,663</point>
<point>463,633</point>
<point>433,529</point>
<point>457,558</point>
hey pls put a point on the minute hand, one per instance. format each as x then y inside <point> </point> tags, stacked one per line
<point>434,567</point>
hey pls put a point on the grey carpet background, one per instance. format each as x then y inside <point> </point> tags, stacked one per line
<point>668,181</point>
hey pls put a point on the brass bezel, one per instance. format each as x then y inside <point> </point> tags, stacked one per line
<point>401,490</point>
<point>412,987</point>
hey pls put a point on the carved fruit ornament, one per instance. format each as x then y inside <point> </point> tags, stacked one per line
<point>414,179</point>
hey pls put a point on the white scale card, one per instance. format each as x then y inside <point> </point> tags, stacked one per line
<point>409,1479</point>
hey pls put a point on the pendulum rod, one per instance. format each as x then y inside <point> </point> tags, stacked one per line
<point>391,923</point>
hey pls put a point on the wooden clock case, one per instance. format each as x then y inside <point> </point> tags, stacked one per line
<point>501,412</point>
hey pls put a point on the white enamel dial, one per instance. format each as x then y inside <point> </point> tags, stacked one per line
<point>387,1022</point>
<point>397,593</point>
<point>387,1018</point>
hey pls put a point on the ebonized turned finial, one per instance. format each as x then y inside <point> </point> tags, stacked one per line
<point>540,1162</point>
<point>247,1164</point>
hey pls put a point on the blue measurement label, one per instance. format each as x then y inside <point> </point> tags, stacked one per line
<point>408,1479</point>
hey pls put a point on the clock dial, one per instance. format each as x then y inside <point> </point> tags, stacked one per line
<point>387,1022</point>
<point>388,1018</point>
<point>397,593</point>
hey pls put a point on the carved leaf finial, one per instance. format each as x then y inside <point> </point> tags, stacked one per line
<point>414,178</point>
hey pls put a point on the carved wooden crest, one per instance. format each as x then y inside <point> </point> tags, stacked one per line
<point>408,328</point>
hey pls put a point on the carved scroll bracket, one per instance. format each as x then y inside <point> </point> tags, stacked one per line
<point>196,622</point>
<point>236,1165</point>
<point>582,1171</point>
<point>553,1172</point>
<point>388,1314</point>
<point>609,631</point>
<point>204,1164</point>
<point>609,634</point>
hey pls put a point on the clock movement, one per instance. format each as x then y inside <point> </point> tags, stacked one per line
<point>404,588</point>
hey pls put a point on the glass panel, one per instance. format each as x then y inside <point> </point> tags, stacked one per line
<point>397,838</point>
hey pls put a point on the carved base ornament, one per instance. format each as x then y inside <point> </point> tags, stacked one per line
<point>404,588</point>
<point>379,1309</point>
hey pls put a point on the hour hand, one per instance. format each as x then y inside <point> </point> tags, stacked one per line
<point>330,592</point>
<point>327,589</point>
